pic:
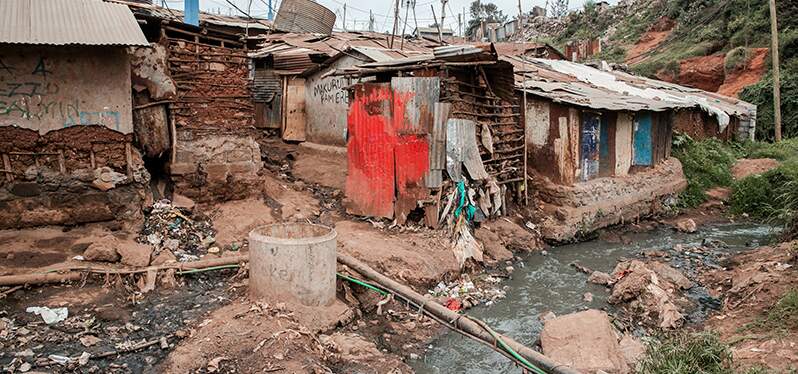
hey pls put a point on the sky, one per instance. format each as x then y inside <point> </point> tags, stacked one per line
<point>357,11</point>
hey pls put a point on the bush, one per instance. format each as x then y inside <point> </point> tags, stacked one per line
<point>771,196</point>
<point>684,353</point>
<point>706,164</point>
<point>736,59</point>
<point>761,94</point>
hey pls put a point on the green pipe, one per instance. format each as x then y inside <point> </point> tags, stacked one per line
<point>362,283</point>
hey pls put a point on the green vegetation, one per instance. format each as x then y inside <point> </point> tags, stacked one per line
<point>736,59</point>
<point>761,94</point>
<point>687,353</point>
<point>773,195</point>
<point>782,316</point>
<point>706,164</point>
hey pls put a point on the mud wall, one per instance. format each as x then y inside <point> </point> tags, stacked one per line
<point>327,104</point>
<point>50,88</point>
<point>698,124</point>
<point>553,139</point>
<point>74,175</point>
<point>215,156</point>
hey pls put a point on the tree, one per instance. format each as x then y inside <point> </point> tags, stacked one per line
<point>559,8</point>
<point>484,12</point>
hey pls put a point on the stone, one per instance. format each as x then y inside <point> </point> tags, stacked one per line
<point>666,272</point>
<point>601,278</point>
<point>135,254</point>
<point>585,341</point>
<point>164,257</point>
<point>632,349</point>
<point>587,297</point>
<point>103,249</point>
<point>686,225</point>
<point>546,316</point>
<point>26,189</point>
<point>102,186</point>
<point>182,201</point>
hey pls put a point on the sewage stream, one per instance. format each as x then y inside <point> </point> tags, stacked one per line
<point>549,283</point>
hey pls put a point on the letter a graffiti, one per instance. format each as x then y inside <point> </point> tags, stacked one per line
<point>41,68</point>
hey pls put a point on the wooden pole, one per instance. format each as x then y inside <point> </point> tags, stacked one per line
<point>523,109</point>
<point>459,321</point>
<point>404,28</point>
<point>344,20</point>
<point>395,21</point>
<point>774,52</point>
<point>434,17</point>
<point>443,15</point>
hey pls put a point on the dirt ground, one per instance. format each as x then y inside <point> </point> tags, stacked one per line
<point>737,80</point>
<point>752,284</point>
<point>746,167</point>
<point>204,322</point>
<point>651,39</point>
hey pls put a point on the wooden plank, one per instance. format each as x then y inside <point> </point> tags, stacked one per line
<point>294,127</point>
<point>642,147</point>
<point>589,146</point>
<point>7,166</point>
<point>623,143</point>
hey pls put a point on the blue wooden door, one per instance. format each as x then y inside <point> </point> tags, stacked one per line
<point>589,146</point>
<point>642,140</point>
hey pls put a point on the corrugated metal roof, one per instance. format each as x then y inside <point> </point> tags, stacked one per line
<point>177,15</point>
<point>61,22</point>
<point>582,85</point>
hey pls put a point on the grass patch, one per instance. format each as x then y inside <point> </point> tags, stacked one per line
<point>782,151</point>
<point>782,316</point>
<point>706,164</point>
<point>687,353</point>
<point>736,59</point>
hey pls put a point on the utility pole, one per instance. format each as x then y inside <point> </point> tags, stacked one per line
<point>435,18</point>
<point>404,28</point>
<point>271,12</point>
<point>415,20</point>
<point>395,21</point>
<point>774,52</point>
<point>460,24</point>
<point>344,21</point>
<point>524,102</point>
<point>443,15</point>
<point>371,21</point>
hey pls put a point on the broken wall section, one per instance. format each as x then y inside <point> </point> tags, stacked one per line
<point>215,156</point>
<point>76,175</point>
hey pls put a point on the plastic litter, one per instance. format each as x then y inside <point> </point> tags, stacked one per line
<point>50,316</point>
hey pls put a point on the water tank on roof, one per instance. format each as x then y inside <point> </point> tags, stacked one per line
<point>304,16</point>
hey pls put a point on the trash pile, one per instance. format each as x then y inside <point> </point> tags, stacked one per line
<point>463,293</point>
<point>187,236</point>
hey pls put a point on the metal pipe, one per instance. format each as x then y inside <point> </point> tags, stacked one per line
<point>467,324</point>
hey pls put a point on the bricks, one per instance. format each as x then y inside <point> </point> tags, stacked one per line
<point>182,168</point>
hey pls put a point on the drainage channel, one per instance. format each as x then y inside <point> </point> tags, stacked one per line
<point>548,283</point>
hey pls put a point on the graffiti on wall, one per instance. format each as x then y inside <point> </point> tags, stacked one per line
<point>331,91</point>
<point>29,92</point>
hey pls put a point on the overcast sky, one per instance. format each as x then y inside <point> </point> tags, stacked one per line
<point>358,10</point>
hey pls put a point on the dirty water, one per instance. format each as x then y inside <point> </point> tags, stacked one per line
<point>545,283</point>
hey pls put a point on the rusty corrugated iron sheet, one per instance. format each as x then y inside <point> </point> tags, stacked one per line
<point>63,22</point>
<point>413,98</point>
<point>176,15</point>
<point>370,179</point>
<point>304,16</point>
<point>412,164</point>
<point>437,144</point>
<point>581,85</point>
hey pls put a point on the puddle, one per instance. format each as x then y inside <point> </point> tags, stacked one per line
<point>549,283</point>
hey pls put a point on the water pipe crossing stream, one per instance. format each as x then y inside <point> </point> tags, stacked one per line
<point>547,283</point>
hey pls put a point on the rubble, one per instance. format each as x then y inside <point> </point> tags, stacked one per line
<point>464,294</point>
<point>103,250</point>
<point>50,316</point>
<point>652,292</point>
<point>168,227</point>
